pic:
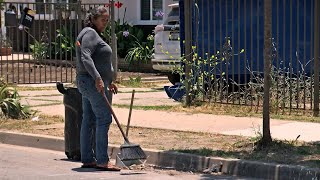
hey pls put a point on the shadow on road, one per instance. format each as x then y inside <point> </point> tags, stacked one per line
<point>79,169</point>
<point>132,173</point>
<point>125,173</point>
<point>65,159</point>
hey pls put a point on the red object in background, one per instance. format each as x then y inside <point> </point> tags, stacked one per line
<point>118,4</point>
<point>107,5</point>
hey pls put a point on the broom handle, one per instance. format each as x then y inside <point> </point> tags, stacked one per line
<point>115,117</point>
<point>130,111</point>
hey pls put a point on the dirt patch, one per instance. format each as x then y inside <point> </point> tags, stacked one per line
<point>206,144</point>
<point>161,139</point>
<point>30,72</point>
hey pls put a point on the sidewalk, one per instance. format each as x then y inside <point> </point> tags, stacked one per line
<point>50,103</point>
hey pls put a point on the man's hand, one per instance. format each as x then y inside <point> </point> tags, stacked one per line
<point>100,85</point>
<point>113,88</point>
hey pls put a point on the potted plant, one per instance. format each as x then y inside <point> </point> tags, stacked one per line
<point>6,46</point>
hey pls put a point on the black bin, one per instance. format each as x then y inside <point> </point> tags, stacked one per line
<point>72,101</point>
<point>10,18</point>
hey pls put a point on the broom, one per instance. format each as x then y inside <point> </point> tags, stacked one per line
<point>129,151</point>
<point>130,111</point>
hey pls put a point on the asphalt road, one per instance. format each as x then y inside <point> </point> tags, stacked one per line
<point>17,162</point>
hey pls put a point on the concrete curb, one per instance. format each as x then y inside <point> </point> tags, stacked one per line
<point>179,161</point>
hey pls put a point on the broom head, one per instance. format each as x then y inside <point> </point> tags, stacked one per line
<point>132,152</point>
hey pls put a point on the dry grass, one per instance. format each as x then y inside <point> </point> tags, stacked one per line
<point>207,144</point>
<point>27,124</point>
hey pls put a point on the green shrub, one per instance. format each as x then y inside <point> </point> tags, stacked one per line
<point>125,43</point>
<point>10,105</point>
<point>39,50</point>
<point>142,52</point>
<point>64,46</point>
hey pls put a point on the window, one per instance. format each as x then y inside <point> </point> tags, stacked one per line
<point>174,12</point>
<point>150,9</point>
<point>42,7</point>
<point>67,4</point>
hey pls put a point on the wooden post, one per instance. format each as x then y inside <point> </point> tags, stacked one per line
<point>188,46</point>
<point>316,59</point>
<point>266,138</point>
<point>113,42</point>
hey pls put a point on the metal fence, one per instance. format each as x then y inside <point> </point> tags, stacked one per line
<point>45,52</point>
<point>226,41</point>
<point>227,48</point>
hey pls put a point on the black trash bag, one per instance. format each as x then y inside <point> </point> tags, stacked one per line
<point>26,19</point>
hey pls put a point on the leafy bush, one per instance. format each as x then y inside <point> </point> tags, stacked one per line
<point>124,44</point>
<point>142,52</point>
<point>206,76</point>
<point>64,46</point>
<point>39,50</point>
<point>10,105</point>
<point>127,44</point>
<point>289,88</point>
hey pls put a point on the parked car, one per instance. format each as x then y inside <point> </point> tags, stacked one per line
<point>167,45</point>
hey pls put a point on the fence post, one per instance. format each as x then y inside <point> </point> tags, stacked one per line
<point>79,17</point>
<point>266,138</point>
<point>316,59</point>
<point>188,46</point>
<point>113,42</point>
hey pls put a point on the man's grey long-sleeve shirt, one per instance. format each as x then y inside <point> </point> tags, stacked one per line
<point>94,55</point>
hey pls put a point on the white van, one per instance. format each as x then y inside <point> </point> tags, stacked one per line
<point>167,45</point>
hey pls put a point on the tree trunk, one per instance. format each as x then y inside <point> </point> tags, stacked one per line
<point>266,138</point>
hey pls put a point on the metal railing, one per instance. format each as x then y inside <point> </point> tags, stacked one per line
<point>45,52</point>
<point>226,45</point>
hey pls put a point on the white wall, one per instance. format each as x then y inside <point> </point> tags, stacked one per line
<point>133,12</point>
<point>132,7</point>
<point>131,15</point>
